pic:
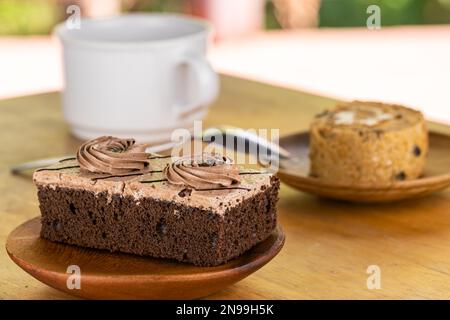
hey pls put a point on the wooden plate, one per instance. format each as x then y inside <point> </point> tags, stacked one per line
<point>107,275</point>
<point>436,177</point>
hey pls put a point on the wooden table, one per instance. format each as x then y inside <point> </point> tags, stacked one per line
<point>329,244</point>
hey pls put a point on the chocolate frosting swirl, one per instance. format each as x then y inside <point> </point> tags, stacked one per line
<point>112,155</point>
<point>205,171</point>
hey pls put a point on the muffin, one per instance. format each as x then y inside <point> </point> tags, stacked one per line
<point>368,143</point>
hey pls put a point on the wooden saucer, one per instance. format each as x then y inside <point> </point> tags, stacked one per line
<point>106,275</point>
<point>296,174</point>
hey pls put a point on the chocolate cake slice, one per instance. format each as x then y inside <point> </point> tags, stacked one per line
<point>118,198</point>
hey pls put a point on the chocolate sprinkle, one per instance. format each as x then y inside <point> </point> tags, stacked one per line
<point>152,181</point>
<point>56,169</point>
<point>117,176</point>
<point>126,175</point>
<point>226,188</point>
<point>250,172</point>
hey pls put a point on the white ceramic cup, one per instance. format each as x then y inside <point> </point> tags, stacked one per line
<point>136,75</point>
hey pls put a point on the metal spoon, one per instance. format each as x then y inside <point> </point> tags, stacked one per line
<point>246,142</point>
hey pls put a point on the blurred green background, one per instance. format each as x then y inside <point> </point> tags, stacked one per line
<point>350,13</point>
<point>25,17</point>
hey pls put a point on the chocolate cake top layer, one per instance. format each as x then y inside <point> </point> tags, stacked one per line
<point>153,183</point>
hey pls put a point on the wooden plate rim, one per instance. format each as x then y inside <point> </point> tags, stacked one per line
<point>251,266</point>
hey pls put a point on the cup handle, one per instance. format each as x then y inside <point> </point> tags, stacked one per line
<point>207,82</point>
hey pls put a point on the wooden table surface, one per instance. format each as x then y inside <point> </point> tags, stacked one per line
<point>329,244</point>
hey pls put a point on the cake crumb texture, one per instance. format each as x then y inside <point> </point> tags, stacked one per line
<point>155,227</point>
<point>368,143</point>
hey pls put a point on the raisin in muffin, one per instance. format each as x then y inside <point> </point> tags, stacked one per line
<point>368,143</point>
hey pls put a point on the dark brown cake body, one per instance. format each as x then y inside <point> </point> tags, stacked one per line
<point>145,215</point>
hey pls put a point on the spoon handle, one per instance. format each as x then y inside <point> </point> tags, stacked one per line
<point>31,165</point>
<point>247,142</point>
